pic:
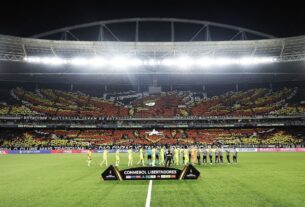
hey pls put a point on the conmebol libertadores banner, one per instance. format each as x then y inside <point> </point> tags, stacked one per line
<point>150,173</point>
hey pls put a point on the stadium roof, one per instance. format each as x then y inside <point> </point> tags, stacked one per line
<point>289,54</point>
<point>283,49</point>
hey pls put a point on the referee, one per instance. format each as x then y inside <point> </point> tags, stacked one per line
<point>169,157</point>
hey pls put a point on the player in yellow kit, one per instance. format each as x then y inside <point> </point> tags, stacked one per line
<point>181,157</point>
<point>105,157</point>
<point>153,156</point>
<point>161,157</point>
<point>176,156</point>
<point>186,156</point>
<point>193,155</point>
<point>89,157</point>
<point>117,157</point>
<point>130,156</point>
<point>141,153</point>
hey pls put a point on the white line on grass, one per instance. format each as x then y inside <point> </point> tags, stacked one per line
<point>148,194</point>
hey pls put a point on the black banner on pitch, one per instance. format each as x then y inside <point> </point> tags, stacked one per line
<point>111,173</point>
<point>190,172</point>
<point>151,173</point>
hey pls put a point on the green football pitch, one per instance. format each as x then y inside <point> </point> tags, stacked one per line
<point>259,179</point>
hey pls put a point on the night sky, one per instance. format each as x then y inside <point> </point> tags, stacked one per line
<point>275,18</point>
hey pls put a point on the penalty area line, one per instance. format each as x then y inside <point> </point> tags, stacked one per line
<point>148,198</point>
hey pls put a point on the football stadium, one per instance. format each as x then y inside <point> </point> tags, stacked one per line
<point>208,120</point>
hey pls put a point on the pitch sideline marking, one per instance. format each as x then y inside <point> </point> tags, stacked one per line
<point>148,198</point>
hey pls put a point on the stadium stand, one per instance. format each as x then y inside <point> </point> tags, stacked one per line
<point>81,138</point>
<point>59,103</point>
<point>252,102</point>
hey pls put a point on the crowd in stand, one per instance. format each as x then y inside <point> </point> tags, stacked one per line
<point>57,105</point>
<point>85,138</point>
<point>253,102</point>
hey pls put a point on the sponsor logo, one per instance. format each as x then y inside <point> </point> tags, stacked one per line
<point>3,152</point>
<point>247,149</point>
<point>190,174</point>
<point>152,173</point>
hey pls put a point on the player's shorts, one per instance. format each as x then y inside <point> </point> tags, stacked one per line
<point>149,157</point>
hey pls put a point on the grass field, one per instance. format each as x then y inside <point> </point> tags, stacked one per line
<point>259,179</point>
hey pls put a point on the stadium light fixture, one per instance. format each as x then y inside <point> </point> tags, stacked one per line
<point>46,60</point>
<point>256,60</point>
<point>182,62</point>
<point>135,62</point>
<point>151,62</point>
<point>56,61</point>
<point>124,61</point>
<point>225,61</point>
<point>32,59</point>
<point>79,61</point>
<point>98,62</point>
<point>168,62</point>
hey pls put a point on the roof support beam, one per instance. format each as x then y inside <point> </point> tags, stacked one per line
<point>172,20</point>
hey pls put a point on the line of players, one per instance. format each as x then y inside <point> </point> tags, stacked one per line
<point>160,156</point>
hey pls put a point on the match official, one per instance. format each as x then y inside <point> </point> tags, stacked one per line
<point>169,157</point>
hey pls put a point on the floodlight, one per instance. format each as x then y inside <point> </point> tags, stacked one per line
<point>135,62</point>
<point>184,62</point>
<point>98,62</point>
<point>79,61</point>
<point>52,60</point>
<point>168,62</point>
<point>176,62</point>
<point>152,62</point>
